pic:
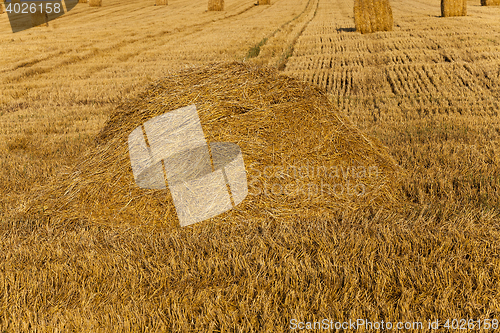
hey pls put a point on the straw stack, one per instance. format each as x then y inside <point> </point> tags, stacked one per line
<point>302,157</point>
<point>264,2</point>
<point>453,8</point>
<point>82,1</point>
<point>161,2</point>
<point>1,7</point>
<point>490,2</point>
<point>215,5</point>
<point>373,15</point>
<point>95,3</point>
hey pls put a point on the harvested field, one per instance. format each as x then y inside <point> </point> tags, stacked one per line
<point>422,99</point>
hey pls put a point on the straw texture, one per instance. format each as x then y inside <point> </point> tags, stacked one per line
<point>453,8</point>
<point>215,5</point>
<point>161,2</point>
<point>95,3</point>
<point>301,157</point>
<point>372,16</point>
<point>264,2</point>
<point>39,19</point>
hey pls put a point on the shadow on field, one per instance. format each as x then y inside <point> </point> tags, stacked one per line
<point>346,30</point>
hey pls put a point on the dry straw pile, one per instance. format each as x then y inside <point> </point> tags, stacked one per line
<point>301,157</point>
<point>215,5</point>
<point>490,2</point>
<point>161,2</point>
<point>95,3</point>
<point>372,15</point>
<point>453,8</point>
<point>82,1</point>
<point>264,2</point>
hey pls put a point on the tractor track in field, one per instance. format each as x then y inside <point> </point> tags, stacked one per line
<point>289,51</point>
<point>278,37</point>
<point>31,71</point>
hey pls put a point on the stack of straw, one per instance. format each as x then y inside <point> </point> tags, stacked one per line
<point>372,15</point>
<point>215,5</point>
<point>264,2</point>
<point>301,155</point>
<point>490,2</point>
<point>95,3</point>
<point>161,2</point>
<point>453,8</point>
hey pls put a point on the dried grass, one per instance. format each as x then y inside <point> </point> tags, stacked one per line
<point>490,2</point>
<point>296,148</point>
<point>39,19</point>
<point>83,1</point>
<point>373,15</point>
<point>161,2</point>
<point>264,2</point>
<point>453,8</point>
<point>95,3</point>
<point>215,5</point>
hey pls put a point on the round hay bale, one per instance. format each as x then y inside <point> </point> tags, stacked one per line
<point>453,8</point>
<point>373,15</point>
<point>490,2</point>
<point>95,3</point>
<point>301,157</point>
<point>215,5</point>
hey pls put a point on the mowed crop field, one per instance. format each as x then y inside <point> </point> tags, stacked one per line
<point>429,91</point>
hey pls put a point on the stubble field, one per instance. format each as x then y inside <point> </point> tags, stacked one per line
<point>429,91</point>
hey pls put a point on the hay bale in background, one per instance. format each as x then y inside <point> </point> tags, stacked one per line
<point>373,15</point>
<point>38,18</point>
<point>264,2</point>
<point>82,1</point>
<point>453,8</point>
<point>1,7</point>
<point>302,158</point>
<point>161,2</point>
<point>490,2</point>
<point>95,3</point>
<point>215,5</point>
